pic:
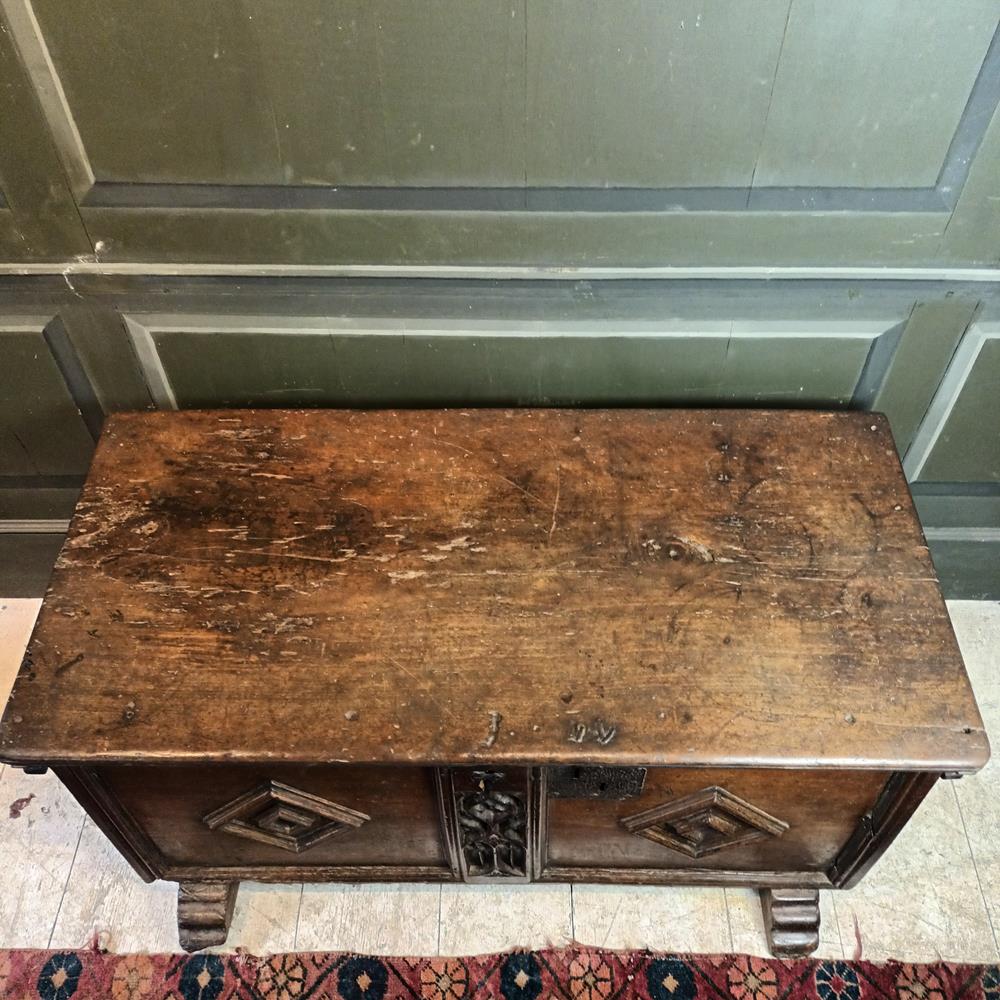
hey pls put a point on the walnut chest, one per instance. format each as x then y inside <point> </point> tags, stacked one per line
<point>632,646</point>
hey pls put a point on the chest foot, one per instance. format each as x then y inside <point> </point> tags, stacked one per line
<point>791,921</point>
<point>204,910</point>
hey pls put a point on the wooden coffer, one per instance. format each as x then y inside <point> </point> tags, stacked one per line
<point>629,646</point>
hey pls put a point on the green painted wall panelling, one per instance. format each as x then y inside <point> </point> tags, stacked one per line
<point>42,432</point>
<point>243,93</point>
<point>98,338</point>
<point>496,132</point>
<point>974,229</point>
<point>345,92</point>
<point>26,563</point>
<point>963,533</point>
<point>961,441</point>
<point>19,502</point>
<point>951,506</point>
<point>967,566</point>
<point>927,343</point>
<point>441,100</point>
<point>618,94</point>
<point>646,239</point>
<point>11,244</point>
<point>842,116</point>
<point>39,219</point>
<point>189,103</point>
<point>720,363</point>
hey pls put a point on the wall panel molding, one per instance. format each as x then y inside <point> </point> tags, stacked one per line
<point>912,374</point>
<point>92,267</point>
<point>941,197</point>
<point>264,175</point>
<point>41,220</point>
<point>959,439</point>
<point>199,360</point>
<point>42,431</point>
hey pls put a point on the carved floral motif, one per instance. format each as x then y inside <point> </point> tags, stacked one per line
<point>492,826</point>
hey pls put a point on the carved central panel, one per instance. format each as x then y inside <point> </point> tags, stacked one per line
<point>492,824</point>
<point>285,817</point>
<point>704,822</point>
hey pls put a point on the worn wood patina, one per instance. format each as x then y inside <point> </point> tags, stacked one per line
<point>696,646</point>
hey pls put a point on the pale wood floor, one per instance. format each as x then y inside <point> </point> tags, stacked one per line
<point>936,893</point>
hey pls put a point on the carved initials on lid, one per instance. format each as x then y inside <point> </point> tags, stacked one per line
<point>704,822</point>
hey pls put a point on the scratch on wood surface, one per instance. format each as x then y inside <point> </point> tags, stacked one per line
<point>499,475</point>
<point>357,503</point>
<point>494,731</point>
<point>348,555</point>
<point>462,542</point>
<point>452,444</point>
<point>63,667</point>
<point>518,486</point>
<point>555,503</point>
<point>410,673</point>
<point>407,574</point>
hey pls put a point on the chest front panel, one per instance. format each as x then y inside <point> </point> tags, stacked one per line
<point>489,824</point>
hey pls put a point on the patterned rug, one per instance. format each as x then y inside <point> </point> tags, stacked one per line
<point>566,974</point>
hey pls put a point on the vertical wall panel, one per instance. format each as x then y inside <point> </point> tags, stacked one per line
<point>961,440</point>
<point>41,430</point>
<point>870,94</point>
<point>621,94</point>
<point>164,91</point>
<point>925,348</point>
<point>40,221</point>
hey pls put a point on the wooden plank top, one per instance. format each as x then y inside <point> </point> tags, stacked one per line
<point>714,587</point>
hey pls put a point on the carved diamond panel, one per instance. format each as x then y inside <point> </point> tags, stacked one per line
<point>285,817</point>
<point>704,822</point>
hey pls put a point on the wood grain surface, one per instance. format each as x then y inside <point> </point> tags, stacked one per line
<point>716,588</point>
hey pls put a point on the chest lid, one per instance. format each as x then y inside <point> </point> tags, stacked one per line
<point>715,587</point>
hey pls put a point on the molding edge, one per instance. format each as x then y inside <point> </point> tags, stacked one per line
<point>91,265</point>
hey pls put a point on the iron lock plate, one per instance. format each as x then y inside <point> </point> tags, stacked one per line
<point>595,782</point>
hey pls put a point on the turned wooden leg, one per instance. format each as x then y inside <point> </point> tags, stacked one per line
<point>204,910</point>
<point>791,920</point>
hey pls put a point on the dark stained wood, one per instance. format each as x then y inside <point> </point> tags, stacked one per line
<point>350,646</point>
<point>822,810</point>
<point>179,807</point>
<point>704,822</point>
<point>684,876</point>
<point>714,588</point>
<point>204,912</point>
<point>878,827</point>
<point>297,872</point>
<point>791,921</point>
<point>114,821</point>
<point>491,822</point>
